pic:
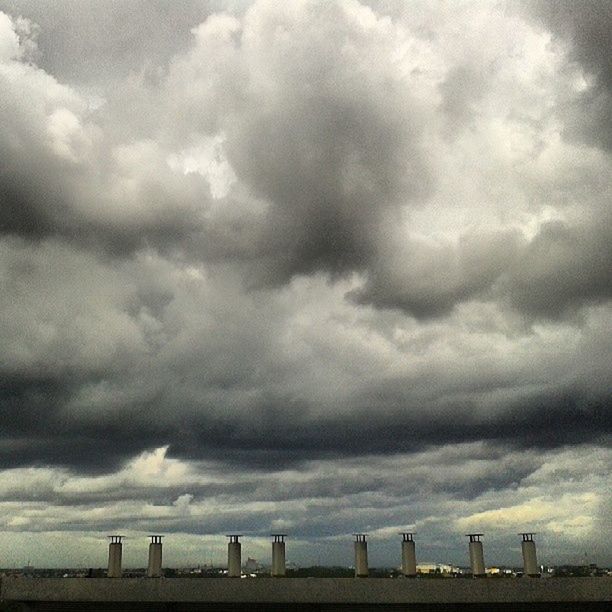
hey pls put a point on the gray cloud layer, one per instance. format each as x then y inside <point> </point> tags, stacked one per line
<point>588,32</point>
<point>269,235</point>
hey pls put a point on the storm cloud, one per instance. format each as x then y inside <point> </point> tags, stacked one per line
<point>275,252</point>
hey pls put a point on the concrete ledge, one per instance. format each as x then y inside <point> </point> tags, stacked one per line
<point>306,590</point>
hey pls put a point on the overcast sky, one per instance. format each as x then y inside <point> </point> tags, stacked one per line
<point>316,267</point>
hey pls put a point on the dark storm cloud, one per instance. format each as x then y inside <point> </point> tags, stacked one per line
<point>327,197</point>
<point>562,268</point>
<point>427,280</point>
<point>142,355</point>
<point>316,126</point>
<point>586,27</point>
<point>306,262</point>
<point>330,195</point>
<point>35,432</point>
<point>311,480</point>
<point>44,193</point>
<point>332,204</point>
<point>280,433</point>
<point>545,422</point>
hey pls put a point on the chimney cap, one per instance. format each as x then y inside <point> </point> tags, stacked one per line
<point>233,537</point>
<point>156,539</point>
<point>474,537</point>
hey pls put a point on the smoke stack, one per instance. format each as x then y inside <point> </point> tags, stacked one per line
<point>114,556</point>
<point>234,556</point>
<point>409,568</point>
<point>476,555</point>
<point>530,561</point>
<point>361,555</point>
<point>155,557</point>
<point>278,554</point>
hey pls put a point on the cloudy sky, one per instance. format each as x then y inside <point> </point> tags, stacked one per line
<point>316,267</point>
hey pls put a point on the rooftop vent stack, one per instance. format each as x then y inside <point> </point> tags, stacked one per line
<point>234,556</point>
<point>530,560</point>
<point>361,555</point>
<point>476,555</point>
<point>278,554</point>
<point>114,556</point>
<point>409,567</point>
<point>154,569</point>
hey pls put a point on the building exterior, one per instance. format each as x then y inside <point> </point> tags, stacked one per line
<point>437,568</point>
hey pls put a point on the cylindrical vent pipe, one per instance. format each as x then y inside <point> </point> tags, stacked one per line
<point>361,555</point>
<point>530,560</point>
<point>409,567</point>
<point>278,554</point>
<point>114,556</point>
<point>234,556</point>
<point>154,570</point>
<point>476,555</point>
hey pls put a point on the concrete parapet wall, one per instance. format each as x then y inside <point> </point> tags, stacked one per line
<point>306,590</point>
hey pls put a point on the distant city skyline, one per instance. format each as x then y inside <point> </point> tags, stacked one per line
<point>305,267</point>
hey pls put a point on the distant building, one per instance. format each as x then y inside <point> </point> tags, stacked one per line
<point>499,571</point>
<point>437,568</point>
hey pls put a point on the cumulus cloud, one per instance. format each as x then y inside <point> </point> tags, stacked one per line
<point>585,33</point>
<point>280,252</point>
<point>244,117</point>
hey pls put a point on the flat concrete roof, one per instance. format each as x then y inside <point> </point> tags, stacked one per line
<point>307,590</point>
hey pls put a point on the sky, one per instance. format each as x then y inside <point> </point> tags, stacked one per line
<point>305,267</point>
